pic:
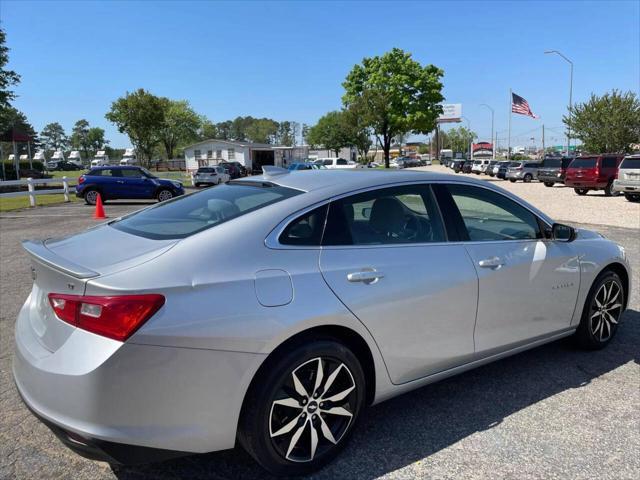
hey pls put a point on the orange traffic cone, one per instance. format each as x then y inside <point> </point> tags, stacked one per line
<point>99,213</point>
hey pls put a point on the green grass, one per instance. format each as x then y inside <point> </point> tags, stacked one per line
<point>16,203</point>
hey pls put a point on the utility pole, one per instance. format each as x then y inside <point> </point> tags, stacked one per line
<point>570,95</point>
<point>510,110</point>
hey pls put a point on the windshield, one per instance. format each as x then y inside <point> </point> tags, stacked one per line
<point>147,173</point>
<point>584,162</point>
<point>631,162</point>
<point>194,213</point>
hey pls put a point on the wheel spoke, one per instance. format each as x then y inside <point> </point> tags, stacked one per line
<point>597,312</point>
<point>340,396</point>
<point>314,440</point>
<point>288,402</point>
<point>286,429</point>
<point>297,384</point>
<point>605,324</point>
<point>601,329</point>
<point>319,375</point>
<point>611,318</point>
<point>613,307</point>
<point>596,327</point>
<point>332,377</point>
<point>339,411</point>
<point>326,431</point>
<point>615,297</point>
<point>295,438</point>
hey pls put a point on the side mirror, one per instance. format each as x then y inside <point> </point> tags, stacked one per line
<point>563,233</point>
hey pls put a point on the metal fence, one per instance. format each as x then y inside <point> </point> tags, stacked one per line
<point>31,191</point>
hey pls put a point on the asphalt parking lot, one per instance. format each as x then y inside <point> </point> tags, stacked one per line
<point>553,412</point>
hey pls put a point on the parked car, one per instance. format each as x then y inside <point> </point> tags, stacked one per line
<point>489,168</point>
<point>553,170</point>
<point>232,169</point>
<point>426,158</point>
<point>130,323</point>
<point>210,176</point>
<point>525,171</point>
<point>479,166</point>
<point>407,162</point>
<point>243,170</point>
<point>337,163</point>
<point>467,166</point>
<point>628,178</point>
<point>306,166</point>
<point>500,165</point>
<point>593,172</point>
<point>502,171</point>
<point>125,182</point>
<point>457,165</point>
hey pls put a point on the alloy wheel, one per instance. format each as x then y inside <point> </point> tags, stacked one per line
<point>313,409</point>
<point>605,310</point>
<point>91,197</point>
<point>165,195</point>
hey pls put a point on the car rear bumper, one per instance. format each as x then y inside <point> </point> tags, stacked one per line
<point>626,186</point>
<point>96,392</point>
<point>551,177</point>
<point>516,175</point>
<point>583,183</point>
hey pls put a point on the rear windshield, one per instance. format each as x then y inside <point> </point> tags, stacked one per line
<point>552,162</point>
<point>185,216</point>
<point>206,170</point>
<point>515,164</point>
<point>584,162</point>
<point>631,163</point>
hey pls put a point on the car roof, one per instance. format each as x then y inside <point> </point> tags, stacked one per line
<point>120,167</point>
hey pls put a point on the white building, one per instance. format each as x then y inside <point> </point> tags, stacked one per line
<point>251,155</point>
<point>348,153</point>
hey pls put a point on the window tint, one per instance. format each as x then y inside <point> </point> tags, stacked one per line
<point>631,162</point>
<point>193,213</point>
<point>341,161</point>
<point>566,162</point>
<point>205,170</point>
<point>131,173</point>
<point>488,215</point>
<point>552,162</point>
<point>306,230</point>
<point>328,162</point>
<point>394,215</point>
<point>95,173</point>
<point>584,163</point>
<point>609,162</point>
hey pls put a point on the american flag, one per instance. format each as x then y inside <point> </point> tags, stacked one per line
<point>521,106</point>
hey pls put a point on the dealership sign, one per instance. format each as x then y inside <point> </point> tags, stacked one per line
<point>451,113</point>
<point>482,150</point>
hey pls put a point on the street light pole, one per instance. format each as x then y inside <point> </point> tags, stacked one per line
<point>494,145</point>
<point>570,95</point>
<point>470,137</point>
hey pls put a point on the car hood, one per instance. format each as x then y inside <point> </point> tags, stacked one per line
<point>105,250</point>
<point>168,183</point>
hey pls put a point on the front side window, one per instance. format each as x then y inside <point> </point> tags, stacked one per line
<point>490,216</point>
<point>131,173</point>
<point>395,215</point>
<point>185,216</point>
<point>341,161</point>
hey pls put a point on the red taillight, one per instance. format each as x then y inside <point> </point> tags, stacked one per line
<point>114,317</point>
<point>81,179</point>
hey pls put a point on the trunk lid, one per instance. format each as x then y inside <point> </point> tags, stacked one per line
<point>65,266</point>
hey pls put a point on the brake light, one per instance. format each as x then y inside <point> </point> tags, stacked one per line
<point>115,317</point>
<point>81,179</point>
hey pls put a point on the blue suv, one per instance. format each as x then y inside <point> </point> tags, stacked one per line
<point>125,182</point>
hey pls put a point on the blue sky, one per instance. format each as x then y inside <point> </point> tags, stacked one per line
<point>287,60</point>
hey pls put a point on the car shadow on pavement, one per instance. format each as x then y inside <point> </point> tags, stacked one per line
<point>414,426</point>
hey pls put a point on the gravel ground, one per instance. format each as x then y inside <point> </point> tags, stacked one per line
<point>563,204</point>
<point>553,412</point>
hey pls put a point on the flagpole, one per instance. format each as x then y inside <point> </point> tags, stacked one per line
<point>509,140</point>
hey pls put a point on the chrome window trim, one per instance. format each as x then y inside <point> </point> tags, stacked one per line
<point>272,239</point>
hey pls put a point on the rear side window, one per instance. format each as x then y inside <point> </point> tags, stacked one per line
<point>131,173</point>
<point>95,173</point>
<point>584,162</point>
<point>306,230</point>
<point>185,216</point>
<point>396,215</point>
<point>631,162</point>
<point>531,165</point>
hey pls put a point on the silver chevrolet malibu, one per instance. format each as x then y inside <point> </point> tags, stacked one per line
<point>273,309</point>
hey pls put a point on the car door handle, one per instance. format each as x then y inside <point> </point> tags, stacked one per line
<point>119,181</point>
<point>365,276</point>
<point>493,262</point>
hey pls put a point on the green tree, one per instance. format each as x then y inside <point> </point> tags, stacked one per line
<point>208,129</point>
<point>459,139</point>
<point>96,140</point>
<point>286,134</point>
<point>79,137</point>
<point>53,137</point>
<point>329,132</point>
<point>8,78</point>
<point>357,130</point>
<point>261,130</point>
<point>181,125</point>
<point>223,130</point>
<point>397,93</point>
<point>141,116</point>
<point>610,123</point>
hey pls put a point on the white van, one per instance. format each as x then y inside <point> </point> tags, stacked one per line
<point>337,163</point>
<point>480,166</point>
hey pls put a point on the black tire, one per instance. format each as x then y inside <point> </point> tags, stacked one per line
<point>596,330</point>
<point>581,191</point>
<point>164,194</point>
<point>548,184</point>
<point>197,185</point>
<point>261,415</point>
<point>527,178</point>
<point>631,198</point>
<point>90,196</point>
<point>608,190</point>
<point>512,180</point>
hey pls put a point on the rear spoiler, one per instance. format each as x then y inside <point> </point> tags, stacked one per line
<point>38,250</point>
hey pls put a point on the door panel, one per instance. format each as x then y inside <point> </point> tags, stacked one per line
<point>531,292</point>
<point>421,312</point>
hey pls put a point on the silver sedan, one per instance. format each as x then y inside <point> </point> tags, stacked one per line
<point>273,309</point>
